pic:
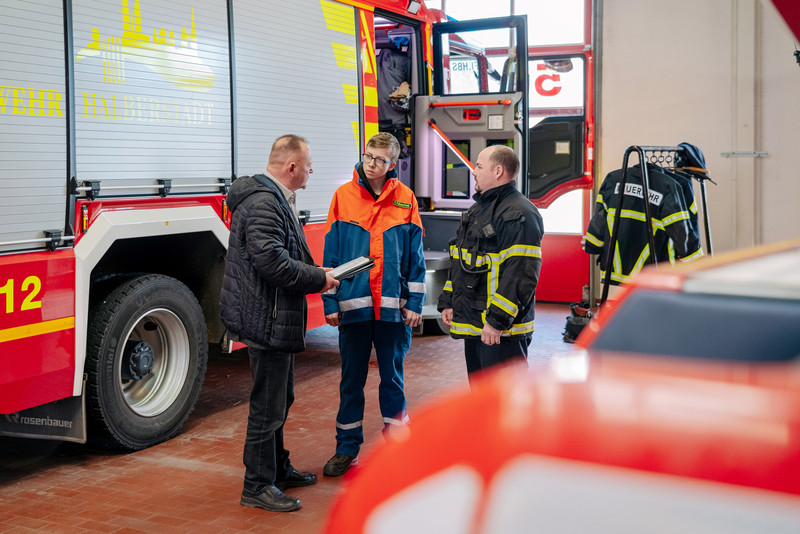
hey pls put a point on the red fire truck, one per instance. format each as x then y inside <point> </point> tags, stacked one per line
<point>123,123</point>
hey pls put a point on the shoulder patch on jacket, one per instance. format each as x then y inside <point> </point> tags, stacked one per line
<point>399,204</point>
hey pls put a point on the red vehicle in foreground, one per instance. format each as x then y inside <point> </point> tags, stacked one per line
<point>678,412</point>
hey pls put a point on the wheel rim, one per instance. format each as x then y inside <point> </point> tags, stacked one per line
<point>156,392</point>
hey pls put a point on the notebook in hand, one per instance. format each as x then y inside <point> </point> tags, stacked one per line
<point>353,267</point>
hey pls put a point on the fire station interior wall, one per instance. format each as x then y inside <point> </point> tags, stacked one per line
<point>32,122</point>
<point>151,92</point>
<point>296,72</point>
<point>721,75</point>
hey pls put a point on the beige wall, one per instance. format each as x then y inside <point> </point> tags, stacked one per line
<point>719,74</point>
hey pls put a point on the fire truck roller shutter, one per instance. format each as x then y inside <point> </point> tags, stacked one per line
<point>33,116</point>
<point>297,72</point>
<point>152,92</point>
<point>146,361</point>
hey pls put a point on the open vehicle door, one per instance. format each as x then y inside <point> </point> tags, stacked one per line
<point>480,99</point>
<point>558,143</point>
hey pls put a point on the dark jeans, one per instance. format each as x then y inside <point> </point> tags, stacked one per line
<point>480,356</point>
<point>265,458</point>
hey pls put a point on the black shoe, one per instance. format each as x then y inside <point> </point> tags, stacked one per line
<point>271,499</point>
<point>338,465</point>
<point>296,479</point>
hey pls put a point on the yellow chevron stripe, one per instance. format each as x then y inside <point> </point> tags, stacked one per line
<point>350,93</point>
<point>345,56</point>
<point>355,130</point>
<point>338,17</point>
<point>37,329</point>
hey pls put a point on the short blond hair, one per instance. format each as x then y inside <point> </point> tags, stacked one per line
<point>386,140</point>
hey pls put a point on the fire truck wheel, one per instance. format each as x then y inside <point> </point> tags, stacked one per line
<point>146,360</point>
<point>435,327</point>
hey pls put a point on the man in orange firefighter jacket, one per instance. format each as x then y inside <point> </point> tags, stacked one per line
<point>373,215</point>
<point>488,299</point>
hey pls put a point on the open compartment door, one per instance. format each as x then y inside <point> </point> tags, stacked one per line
<point>480,80</point>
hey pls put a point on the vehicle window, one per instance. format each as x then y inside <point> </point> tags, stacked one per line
<point>469,67</point>
<point>703,325</point>
<point>555,87</point>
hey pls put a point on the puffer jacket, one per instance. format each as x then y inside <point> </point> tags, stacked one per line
<point>268,269</point>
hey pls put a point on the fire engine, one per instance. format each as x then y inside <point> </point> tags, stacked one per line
<point>123,123</point>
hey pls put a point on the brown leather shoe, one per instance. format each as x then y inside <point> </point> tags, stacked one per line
<point>271,499</point>
<point>296,479</point>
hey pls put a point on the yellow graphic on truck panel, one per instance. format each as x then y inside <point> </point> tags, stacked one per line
<point>370,81</point>
<point>37,329</point>
<point>178,63</point>
<point>371,96</point>
<point>350,93</point>
<point>370,129</point>
<point>345,56</point>
<point>339,18</point>
<point>43,102</point>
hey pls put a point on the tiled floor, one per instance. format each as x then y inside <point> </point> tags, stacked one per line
<point>193,482</point>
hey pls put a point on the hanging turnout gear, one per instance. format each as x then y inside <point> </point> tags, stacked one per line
<point>674,238</point>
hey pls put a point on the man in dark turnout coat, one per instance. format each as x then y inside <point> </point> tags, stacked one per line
<point>488,299</point>
<point>268,272</point>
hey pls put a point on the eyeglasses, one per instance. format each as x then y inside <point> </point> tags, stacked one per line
<point>380,162</point>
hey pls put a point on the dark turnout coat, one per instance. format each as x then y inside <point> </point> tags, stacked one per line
<point>495,262</point>
<point>268,269</point>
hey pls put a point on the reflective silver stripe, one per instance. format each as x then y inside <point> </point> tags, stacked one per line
<point>517,250</point>
<point>504,304</point>
<point>677,216</point>
<point>398,422</point>
<point>465,256</point>
<point>465,329</point>
<point>355,304</point>
<point>416,287</point>
<point>593,240</point>
<point>520,328</point>
<point>392,302</point>
<point>350,426</point>
<point>448,286</point>
<point>694,256</point>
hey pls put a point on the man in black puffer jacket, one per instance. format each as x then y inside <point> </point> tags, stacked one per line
<point>268,272</point>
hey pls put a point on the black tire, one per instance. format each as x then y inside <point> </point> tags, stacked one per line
<point>435,327</point>
<point>136,413</point>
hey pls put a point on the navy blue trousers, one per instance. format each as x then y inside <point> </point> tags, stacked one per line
<point>391,341</point>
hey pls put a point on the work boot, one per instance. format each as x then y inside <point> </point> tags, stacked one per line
<point>338,465</point>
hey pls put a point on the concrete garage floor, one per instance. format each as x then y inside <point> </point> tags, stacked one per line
<point>192,483</point>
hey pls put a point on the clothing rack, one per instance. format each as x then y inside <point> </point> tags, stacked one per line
<point>665,157</point>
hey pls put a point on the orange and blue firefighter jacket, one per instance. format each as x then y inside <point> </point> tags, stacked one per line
<point>390,230</point>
